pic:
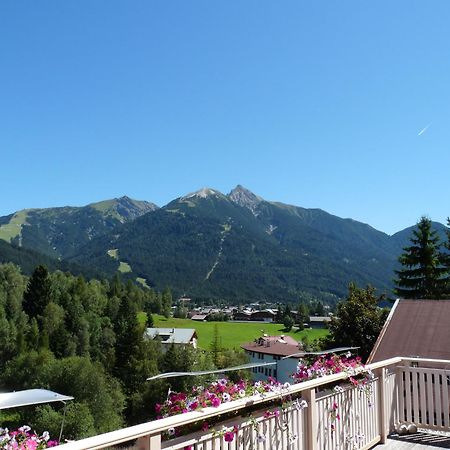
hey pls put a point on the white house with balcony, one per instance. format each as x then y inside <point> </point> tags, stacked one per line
<point>273,349</point>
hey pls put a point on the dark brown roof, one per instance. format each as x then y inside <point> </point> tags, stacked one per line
<point>270,346</point>
<point>415,328</point>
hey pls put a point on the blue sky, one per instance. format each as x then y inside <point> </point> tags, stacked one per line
<point>314,103</point>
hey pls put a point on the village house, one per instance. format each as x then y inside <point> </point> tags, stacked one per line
<point>276,350</point>
<point>169,336</point>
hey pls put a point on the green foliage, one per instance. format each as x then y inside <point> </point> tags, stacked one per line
<point>38,293</point>
<point>180,312</point>
<point>218,317</point>
<point>357,322</point>
<point>288,323</point>
<point>149,322</point>
<point>128,338</point>
<point>166,302</point>
<point>76,335</point>
<point>216,345</point>
<point>302,316</point>
<point>230,358</point>
<point>185,359</point>
<point>78,420</point>
<point>423,274</point>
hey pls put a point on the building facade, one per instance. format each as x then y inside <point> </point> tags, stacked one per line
<point>276,350</point>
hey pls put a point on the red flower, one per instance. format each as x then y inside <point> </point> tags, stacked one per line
<point>229,436</point>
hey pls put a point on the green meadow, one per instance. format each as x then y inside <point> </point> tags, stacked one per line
<point>232,334</point>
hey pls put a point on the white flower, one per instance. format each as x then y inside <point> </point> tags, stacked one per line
<point>171,431</point>
<point>45,435</point>
<point>24,429</point>
<point>226,397</point>
<point>242,393</point>
<point>300,404</point>
<point>286,385</point>
<point>261,437</point>
<point>338,389</point>
<point>360,437</point>
<point>348,354</point>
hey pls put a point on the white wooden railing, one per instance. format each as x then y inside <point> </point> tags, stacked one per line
<point>404,390</point>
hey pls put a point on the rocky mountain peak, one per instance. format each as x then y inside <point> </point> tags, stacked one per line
<point>203,193</point>
<point>243,197</point>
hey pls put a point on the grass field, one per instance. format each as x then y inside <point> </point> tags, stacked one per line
<point>11,230</point>
<point>232,334</point>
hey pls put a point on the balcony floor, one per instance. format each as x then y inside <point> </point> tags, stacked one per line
<point>418,441</point>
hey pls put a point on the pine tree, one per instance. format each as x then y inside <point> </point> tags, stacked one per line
<point>302,316</point>
<point>447,259</point>
<point>128,339</point>
<point>423,272</point>
<point>215,345</point>
<point>38,293</point>
<point>166,302</point>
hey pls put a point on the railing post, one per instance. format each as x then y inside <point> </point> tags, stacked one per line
<point>311,419</point>
<point>400,391</point>
<point>382,405</point>
<point>150,442</point>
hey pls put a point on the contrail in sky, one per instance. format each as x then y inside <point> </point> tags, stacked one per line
<point>423,130</point>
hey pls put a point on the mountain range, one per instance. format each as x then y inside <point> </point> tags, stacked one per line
<point>236,247</point>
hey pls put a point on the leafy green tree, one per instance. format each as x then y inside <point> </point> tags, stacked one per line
<point>288,323</point>
<point>149,323</point>
<point>423,272</point>
<point>12,286</point>
<point>166,302</point>
<point>302,316</point>
<point>33,335</point>
<point>142,395</point>
<point>357,322</point>
<point>8,337</point>
<point>185,358</point>
<point>231,358</point>
<point>216,345</point>
<point>38,293</point>
<point>180,312</point>
<point>78,421</point>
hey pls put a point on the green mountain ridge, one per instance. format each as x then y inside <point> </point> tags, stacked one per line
<point>60,232</point>
<point>236,247</point>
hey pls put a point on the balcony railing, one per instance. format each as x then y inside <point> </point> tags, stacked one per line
<point>404,390</point>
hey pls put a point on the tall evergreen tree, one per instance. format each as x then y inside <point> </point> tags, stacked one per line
<point>128,338</point>
<point>166,302</point>
<point>302,316</point>
<point>38,293</point>
<point>423,272</point>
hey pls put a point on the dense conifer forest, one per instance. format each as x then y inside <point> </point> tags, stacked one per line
<point>83,338</point>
